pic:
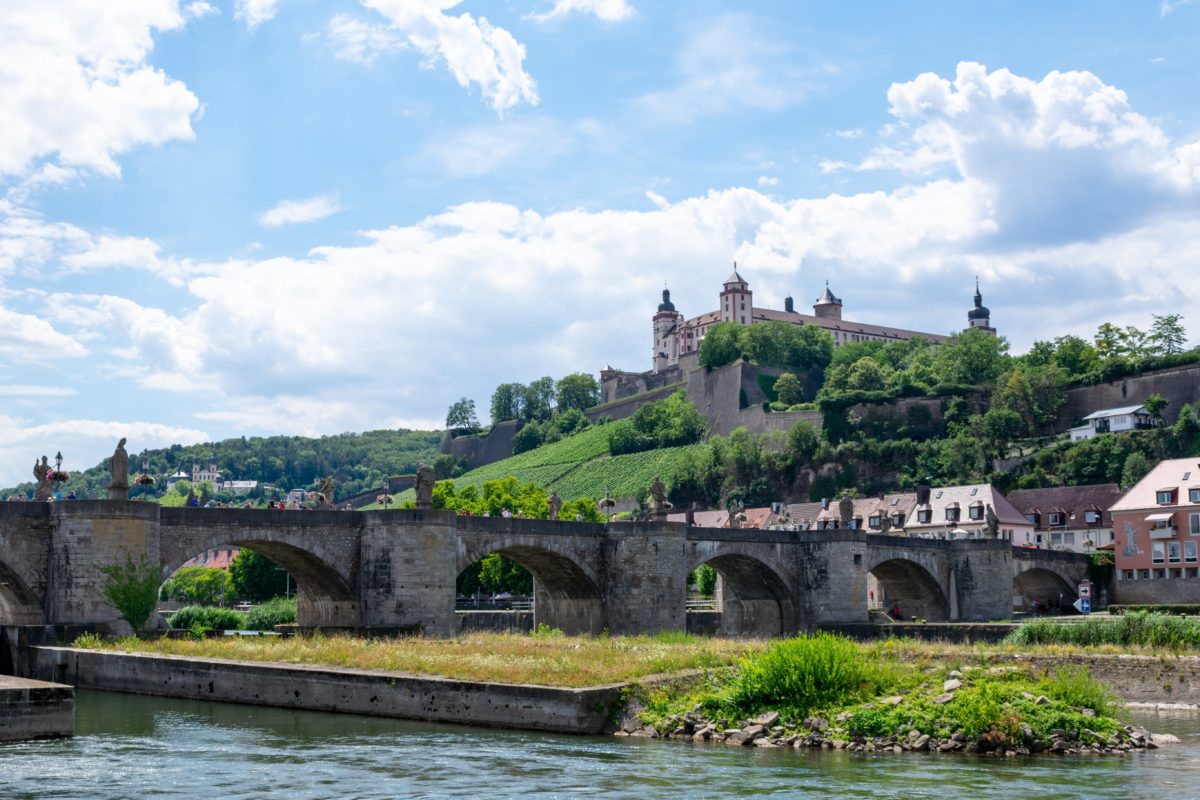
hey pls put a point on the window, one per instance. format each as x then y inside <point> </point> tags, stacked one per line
<point>1173,552</point>
<point>1189,551</point>
<point>897,520</point>
<point>1069,538</point>
<point>1091,517</point>
<point>1144,575</point>
<point>1056,518</point>
<point>1160,524</point>
<point>1128,574</point>
<point>952,514</point>
<point>976,512</point>
<point>938,496</point>
<point>1194,495</point>
<point>1194,524</point>
<point>1158,552</point>
<point>1160,574</point>
<point>1032,518</point>
<point>875,521</point>
<point>1165,497</point>
<point>924,515</point>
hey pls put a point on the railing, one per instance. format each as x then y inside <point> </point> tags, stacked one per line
<point>1162,533</point>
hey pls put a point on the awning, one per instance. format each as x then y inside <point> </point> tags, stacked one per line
<point>1165,515</point>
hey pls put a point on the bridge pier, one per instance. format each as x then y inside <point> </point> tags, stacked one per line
<point>407,572</point>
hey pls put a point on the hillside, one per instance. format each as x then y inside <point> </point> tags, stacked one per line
<point>357,461</point>
<point>580,466</point>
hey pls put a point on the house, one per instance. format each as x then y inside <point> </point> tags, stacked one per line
<point>948,512</point>
<point>214,558</point>
<point>1113,420</point>
<point>1157,525</point>
<point>239,487</point>
<point>177,477</point>
<point>1074,518</point>
<point>888,513</point>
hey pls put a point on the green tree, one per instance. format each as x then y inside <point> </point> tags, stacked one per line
<point>788,389</point>
<point>1075,355</point>
<point>973,358</point>
<point>448,466</point>
<point>257,578</point>
<point>703,580</point>
<point>1136,467</point>
<point>498,574</point>
<point>803,442</point>
<point>537,401</point>
<point>461,418</point>
<point>867,375</point>
<point>720,346</point>
<point>506,402</point>
<point>999,428</point>
<point>1167,334</point>
<point>1110,341</point>
<point>131,586</point>
<point>578,390</point>
<point>205,586</point>
<point>1155,405</point>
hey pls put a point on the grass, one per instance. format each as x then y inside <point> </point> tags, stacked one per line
<point>570,661</point>
<point>1136,629</point>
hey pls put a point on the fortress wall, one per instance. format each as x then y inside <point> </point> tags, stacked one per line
<point>1180,385</point>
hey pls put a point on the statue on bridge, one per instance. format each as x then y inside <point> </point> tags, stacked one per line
<point>424,487</point>
<point>118,467</point>
<point>554,504</point>
<point>41,471</point>
<point>846,510</point>
<point>658,500</point>
<point>325,493</point>
<point>992,526</point>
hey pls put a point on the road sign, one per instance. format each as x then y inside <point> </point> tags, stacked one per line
<point>1083,605</point>
<point>1085,589</point>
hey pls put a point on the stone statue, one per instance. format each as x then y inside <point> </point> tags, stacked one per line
<point>41,471</point>
<point>736,515</point>
<point>885,523</point>
<point>424,487</point>
<point>992,525</point>
<point>325,492</point>
<point>846,510</point>
<point>118,467</point>
<point>554,504</point>
<point>690,519</point>
<point>658,499</point>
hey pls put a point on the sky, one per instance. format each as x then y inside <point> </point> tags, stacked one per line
<point>250,217</point>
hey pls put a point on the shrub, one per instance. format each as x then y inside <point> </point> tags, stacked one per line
<point>1157,608</point>
<point>277,611</point>
<point>132,588</point>
<point>88,641</point>
<point>1138,628</point>
<point>206,618</point>
<point>1076,687</point>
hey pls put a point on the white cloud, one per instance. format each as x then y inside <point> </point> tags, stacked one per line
<point>728,64</point>
<point>200,9</point>
<point>850,133</point>
<point>1167,6</point>
<point>83,442</point>
<point>474,51</point>
<point>607,10</point>
<point>253,13</point>
<point>765,181</point>
<point>76,88</point>
<point>291,212</point>
<point>25,337</point>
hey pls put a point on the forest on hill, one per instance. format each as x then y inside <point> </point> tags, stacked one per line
<point>357,462</point>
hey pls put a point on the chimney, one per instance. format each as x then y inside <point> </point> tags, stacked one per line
<point>824,503</point>
<point>788,305</point>
<point>922,494</point>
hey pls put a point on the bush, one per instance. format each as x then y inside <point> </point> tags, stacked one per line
<point>206,618</point>
<point>132,588</point>
<point>1157,608</point>
<point>1077,688</point>
<point>1136,628</point>
<point>277,611</point>
<point>797,676</point>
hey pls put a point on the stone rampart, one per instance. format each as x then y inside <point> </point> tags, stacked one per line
<point>1180,385</point>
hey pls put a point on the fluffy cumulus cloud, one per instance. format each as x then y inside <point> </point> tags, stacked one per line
<point>253,13</point>
<point>607,10</point>
<point>75,87</point>
<point>291,212</point>
<point>83,442</point>
<point>475,52</point>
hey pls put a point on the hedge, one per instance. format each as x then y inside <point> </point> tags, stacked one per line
<point>1157,608</point>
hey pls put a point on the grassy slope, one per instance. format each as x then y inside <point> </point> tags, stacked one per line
<point>579,466</point>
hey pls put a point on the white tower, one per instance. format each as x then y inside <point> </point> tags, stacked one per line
<point>737,301</point>
<point>666,333</point>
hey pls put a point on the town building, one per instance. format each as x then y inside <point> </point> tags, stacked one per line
<point>209,473</point>
<point>948,512</point>
<point>1113,420</point>
<point>1157,524</point>
<point>676,336</point>
<point>1074,518</point>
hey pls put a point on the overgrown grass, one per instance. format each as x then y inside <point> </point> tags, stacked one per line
<point>548,660</point>
<point>277,611</point>
<point>1140,629</point>
<point>206,618</point>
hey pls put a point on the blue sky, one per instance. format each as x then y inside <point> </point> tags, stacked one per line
<point>284,216</point>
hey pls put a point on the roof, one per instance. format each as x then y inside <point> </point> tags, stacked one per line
<point>735,278</point>
<point>867,507</point>
<point>943,497</point>
<point>844,325</point>
<point>803,512</point>
<point>703,519</point>
<point>1072,500</point>
<point>1115,412</point>
<point>828,297</point>
<point>1180,474</point>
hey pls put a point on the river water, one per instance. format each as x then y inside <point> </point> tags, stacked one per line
<point>140,747</point>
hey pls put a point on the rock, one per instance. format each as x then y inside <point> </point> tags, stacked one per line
<point>704,734</point>
<point>820,723</point>
<point>921,744</point>
<point>764,743</point>
<point>838,744</point>
<point>842,717</point>
<point>1159,739</point>
<point>894,700</point>
<point>749,733</point>
<point>1041,700</point>
<point>955,673</point>
<point>942,699</point>
<point>897,749</point>
<point>951,685</point>
<point>949,746</point>
<point>766,720</point>
<point>959,737</point>
<point>680,731</point>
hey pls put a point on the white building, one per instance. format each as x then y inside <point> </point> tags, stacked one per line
<point>1113,420</point>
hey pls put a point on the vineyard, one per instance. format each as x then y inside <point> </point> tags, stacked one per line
<point>580,466</point>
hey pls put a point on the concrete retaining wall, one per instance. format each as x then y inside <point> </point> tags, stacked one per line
<point>1137,679</point>
<point>34,710</point>
<point>351,691</point>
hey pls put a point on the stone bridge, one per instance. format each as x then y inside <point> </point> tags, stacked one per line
<point>397,568</point>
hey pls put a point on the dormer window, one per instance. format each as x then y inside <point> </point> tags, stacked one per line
<point>1165,497</point>
<point>898,520</point>
<point>875,521</point>
<point>1056,518</point>
<point>952,514</point>
<point>1091,517</point>
<point>976,511</point>
<point>1034,518</point>
<point>924,515</point>
<point>1194,495</point>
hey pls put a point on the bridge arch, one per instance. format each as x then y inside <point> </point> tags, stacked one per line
<point>19,605</point>
<point>907,585</point>
<point>1046,586</point>
<point>565,594</point>
<point>326,597</point>
<point>752,598</point>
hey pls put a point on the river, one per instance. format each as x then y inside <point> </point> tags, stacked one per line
<point>139,747</point>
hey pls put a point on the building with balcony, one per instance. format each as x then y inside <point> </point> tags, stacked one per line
<point>1113,420</point>
<point>1074,518</point>
<point>1157,528</point>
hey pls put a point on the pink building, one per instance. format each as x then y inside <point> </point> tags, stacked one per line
<point>1157,526</point>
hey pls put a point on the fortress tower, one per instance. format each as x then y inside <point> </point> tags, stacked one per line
<point>666,333</point>
<point>737,301</point>
<point>979,316</point>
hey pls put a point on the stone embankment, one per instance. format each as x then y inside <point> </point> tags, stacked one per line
<point>35,709</point>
